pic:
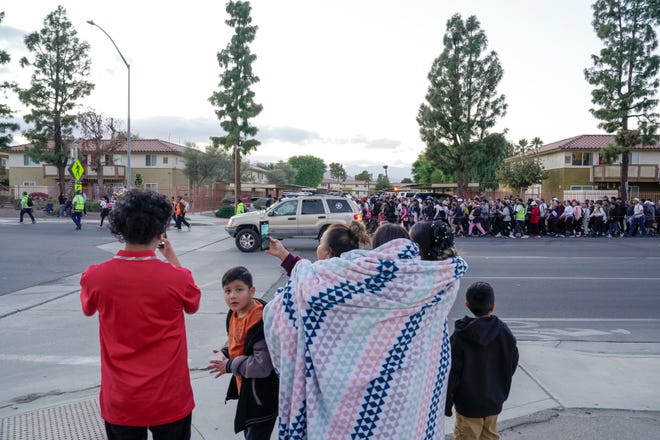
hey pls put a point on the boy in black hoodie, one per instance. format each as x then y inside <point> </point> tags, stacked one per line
<point>484,357</point>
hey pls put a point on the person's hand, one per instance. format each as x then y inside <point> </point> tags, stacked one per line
<point>218,366</point>
<point>276,249</point>
<point>168,252</point>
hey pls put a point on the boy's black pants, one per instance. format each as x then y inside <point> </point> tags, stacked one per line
<point>260,431</point>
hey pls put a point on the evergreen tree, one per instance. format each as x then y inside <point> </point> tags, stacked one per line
<point>383,183</point>
<point>282,172</point>
<point>309,169</point>
<point>462,103</point>
<point>337,172</point>
<point>61,66</point>
<point>235,100</point>
<point>6,126</point>
<point>364,176</point>
<point>625,76</point>
<point>202,167</point>
<point>524,168</point>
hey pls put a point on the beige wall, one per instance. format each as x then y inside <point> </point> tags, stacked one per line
<point>168,176</point>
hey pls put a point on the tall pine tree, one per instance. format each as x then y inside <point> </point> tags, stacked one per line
<point>462,104</point>
<point>6,125</point>
<point>61,66</point>
<point>625,76</point>
<point>234,99</point>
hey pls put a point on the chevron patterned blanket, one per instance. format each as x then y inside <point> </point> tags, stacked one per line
<point>361,345</point>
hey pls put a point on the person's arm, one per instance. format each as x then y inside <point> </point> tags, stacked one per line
<point>454,374</point>
<point>257,365</point>
<point>288,259</point>
<point>87,299</point>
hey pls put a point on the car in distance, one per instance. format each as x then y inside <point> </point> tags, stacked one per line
<point>292,217</point>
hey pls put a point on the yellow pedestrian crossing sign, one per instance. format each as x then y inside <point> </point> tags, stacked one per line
<point>77,186</point>
<point>77,170</point>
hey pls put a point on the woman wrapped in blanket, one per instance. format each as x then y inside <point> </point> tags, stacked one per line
<point>360,338</point>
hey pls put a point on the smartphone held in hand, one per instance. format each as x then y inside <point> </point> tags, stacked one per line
<point>264,234</point>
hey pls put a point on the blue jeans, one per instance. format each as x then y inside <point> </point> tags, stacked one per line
<point>637,221</point>
<point>77,216</point>
<point>60,213</point>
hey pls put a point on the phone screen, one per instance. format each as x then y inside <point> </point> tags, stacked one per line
<point>263,231</point>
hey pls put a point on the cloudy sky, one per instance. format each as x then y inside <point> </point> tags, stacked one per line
<point>341,80</point>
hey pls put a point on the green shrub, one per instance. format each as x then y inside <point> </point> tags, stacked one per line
<point>225,212</point>
<point>93,206</point>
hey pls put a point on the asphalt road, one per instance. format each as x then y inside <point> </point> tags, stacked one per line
<point>572,290</point>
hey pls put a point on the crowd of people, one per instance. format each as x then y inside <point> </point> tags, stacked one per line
<point>512,217</point>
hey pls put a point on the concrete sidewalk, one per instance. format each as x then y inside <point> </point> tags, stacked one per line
<point>562,390</point>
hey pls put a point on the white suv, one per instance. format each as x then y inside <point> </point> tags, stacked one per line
<point>302,216</point>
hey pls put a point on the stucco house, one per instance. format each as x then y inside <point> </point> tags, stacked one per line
<point>160,163</point>
<point>575,164</point>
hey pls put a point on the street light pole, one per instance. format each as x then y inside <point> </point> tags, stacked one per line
<point>128,123</point>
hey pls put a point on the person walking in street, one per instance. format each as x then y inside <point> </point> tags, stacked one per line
<point>245,356</point>
<point>78,208</point>
<point>181,213</point>
<point>140,301</point>
<point>26,207</point>
<point>105,206</point>
<point>484,356</point>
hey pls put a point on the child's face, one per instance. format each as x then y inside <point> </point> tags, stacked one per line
<point>238,296</point>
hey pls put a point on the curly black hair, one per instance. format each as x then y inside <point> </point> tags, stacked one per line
<point>139,216</point>
<point>434,238</point>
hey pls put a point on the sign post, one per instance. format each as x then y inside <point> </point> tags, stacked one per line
<point>77,170</point>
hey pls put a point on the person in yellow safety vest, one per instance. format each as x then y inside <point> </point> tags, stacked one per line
<point>240,207</point>
<point>78,203</point>
<point>26,207</point>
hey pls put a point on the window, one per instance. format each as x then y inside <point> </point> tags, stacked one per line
<point>582,187</point>
<point>151,186</point>
<point>579,159</point>
<point>151,160</point>
<point>339,205</point>
<point>165,160</point>
<point>287,208</point>
<point>30,183</point>
<point>314,206</point>
<point>107,159</point>
<point>27,160</point>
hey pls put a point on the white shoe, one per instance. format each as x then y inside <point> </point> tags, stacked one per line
<point>525,236</point>
<point>498,235</point>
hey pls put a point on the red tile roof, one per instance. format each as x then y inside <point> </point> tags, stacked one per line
<point>588,142</point>
<point>137,146</point>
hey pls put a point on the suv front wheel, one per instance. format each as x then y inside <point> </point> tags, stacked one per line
<point>247,240</point>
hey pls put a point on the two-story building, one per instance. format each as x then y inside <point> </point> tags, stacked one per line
<point>575,164</point>
<point>160,163</point>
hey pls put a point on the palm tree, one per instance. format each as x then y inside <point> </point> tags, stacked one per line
<point>537,143</point>
<point>385,167</point>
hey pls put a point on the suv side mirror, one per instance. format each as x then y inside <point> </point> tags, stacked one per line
<point>270,213</point>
